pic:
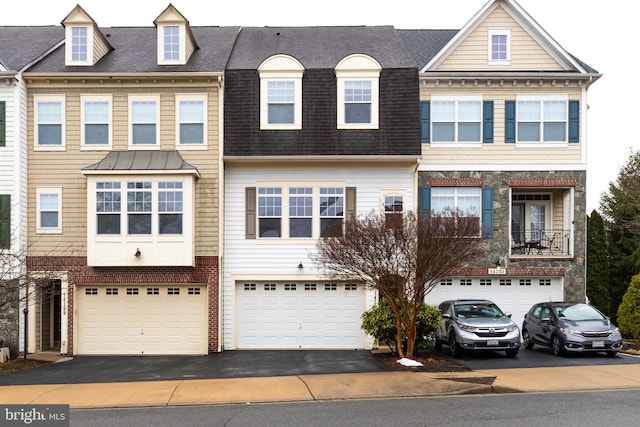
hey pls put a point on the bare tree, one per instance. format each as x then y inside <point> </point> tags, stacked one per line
<point>403,259</point>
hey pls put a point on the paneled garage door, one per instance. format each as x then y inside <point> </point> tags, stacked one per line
<point>299,315</point>
<point>132,320</point>
<point>513,295</point>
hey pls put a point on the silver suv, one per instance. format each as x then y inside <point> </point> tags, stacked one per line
<point>476,325</point>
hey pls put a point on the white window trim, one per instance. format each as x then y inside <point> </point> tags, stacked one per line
<point>543,144</point>
<point>48,190</point>
<point>281,68</point>
<point>498,32</point>
<point>49,98</point>
<point>454,193</point>
<point>69,46</point>
<point>315,218</point>
<point>96,98</point>
<point>358,68</point>
<point>202,97</point>
<point>456,143</point>
<point>393,192</point>
<point>144,98</point>
<point>182,43</point>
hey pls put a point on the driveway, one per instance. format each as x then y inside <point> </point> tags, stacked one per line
<point>228,364</point>
<point>539,357</point>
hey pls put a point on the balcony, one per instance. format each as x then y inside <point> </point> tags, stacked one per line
<point>541,243</point>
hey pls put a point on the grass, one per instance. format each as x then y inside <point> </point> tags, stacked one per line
<point>19,364</point>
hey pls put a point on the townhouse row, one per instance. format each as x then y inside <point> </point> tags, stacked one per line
<point>167,184</point>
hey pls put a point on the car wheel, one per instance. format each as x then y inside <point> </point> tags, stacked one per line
<point>556,346</point>
<point>454,347</point>
<point>512,352</point>
<point>528,344</point>
<point>437,344</point>
<point>612,353</point>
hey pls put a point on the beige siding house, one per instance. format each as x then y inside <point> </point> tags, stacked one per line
<point>504,112</point>
<point>124,188</point>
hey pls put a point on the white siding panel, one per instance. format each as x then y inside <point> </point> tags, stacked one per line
<point>278,259</point>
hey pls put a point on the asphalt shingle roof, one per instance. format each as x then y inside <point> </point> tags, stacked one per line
<point>425,44</point>
<point>20,45</point>
<point>134,51</point>
<point>320,47</point>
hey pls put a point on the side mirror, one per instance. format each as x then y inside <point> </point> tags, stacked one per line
<point>445,315</point>
<point>508,315</point>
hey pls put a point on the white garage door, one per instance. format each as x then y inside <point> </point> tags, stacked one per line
<point>299,315</point>
<point>131,320</point>
<point>513,295</point>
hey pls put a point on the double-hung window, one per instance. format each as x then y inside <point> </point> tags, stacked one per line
<point>270,212</point>
<point>464,202</point>
<point>171,43</point>
<point>48,207</point>
<point>170,207</point>
<point>96,122</point>
<point>144,121</point>
<point>499,47</point>
<point>542,120</point>
<point>191,121</point>
<point>456,119</point>
<point>393,210</point>
<point>79,44</point>
<point>108,207</point>
<point>300,212</point>
<point>49,122</point>
<point>281,93</point>
<point>331,211</point>
<point>358,92</point>
<point>139,207</point>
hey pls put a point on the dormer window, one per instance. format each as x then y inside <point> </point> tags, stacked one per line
<point>84,42</point>
<point>281,93</point>
<point>79,45</point>
<point>171,43</point>
<point>358,92</point>
<point>175,41</point>
<point>499,47</point>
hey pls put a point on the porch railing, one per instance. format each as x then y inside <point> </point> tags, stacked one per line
<point>540,242</point>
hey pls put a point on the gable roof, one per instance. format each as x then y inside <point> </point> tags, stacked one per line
<point>425,44</point>
<point>134,51</point>
<point>320,47</point>
<point>21,45</point>
<point>567,61</point>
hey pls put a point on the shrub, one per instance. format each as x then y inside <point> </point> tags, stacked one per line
<point>380,322</point>
<point>629,310</point>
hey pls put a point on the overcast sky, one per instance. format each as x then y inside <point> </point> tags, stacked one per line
<point>588,29</point>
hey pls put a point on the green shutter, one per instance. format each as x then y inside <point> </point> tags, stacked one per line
<point>250,212</point>
<point>487,212</point>
<point>574,121</point>
<point>487,122</point>
<point>509,121</point>
<point>5,221</point>
<point>425,199</point>
<point>425,120</point>
<point>3,123</point>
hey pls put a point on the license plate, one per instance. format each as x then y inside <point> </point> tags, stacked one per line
<point>598,344</point>
<point>492,343</point>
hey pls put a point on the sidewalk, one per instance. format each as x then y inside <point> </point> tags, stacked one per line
<point>325,387</point>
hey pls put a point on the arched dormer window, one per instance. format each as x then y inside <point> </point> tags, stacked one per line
<point>358,92</point>
<point>281,93</point>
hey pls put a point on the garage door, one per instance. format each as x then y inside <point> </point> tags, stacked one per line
<point>131,320</point>
<point>299,315</point>
<point>512,295</point>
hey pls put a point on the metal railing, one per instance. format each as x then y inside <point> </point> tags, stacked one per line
<point>541,242</point>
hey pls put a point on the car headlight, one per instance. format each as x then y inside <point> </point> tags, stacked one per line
<point>466,328</point>
<point>512,327</point>
<point>568,331</point>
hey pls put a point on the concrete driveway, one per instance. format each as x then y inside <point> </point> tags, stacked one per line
<point>228,364</point>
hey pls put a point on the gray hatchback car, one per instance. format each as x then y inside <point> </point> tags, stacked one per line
<point>476,325</point>
<point>570,327</point>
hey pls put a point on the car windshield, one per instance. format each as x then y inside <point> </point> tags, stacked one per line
<point>578,312</point>
<point>477,310</point>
